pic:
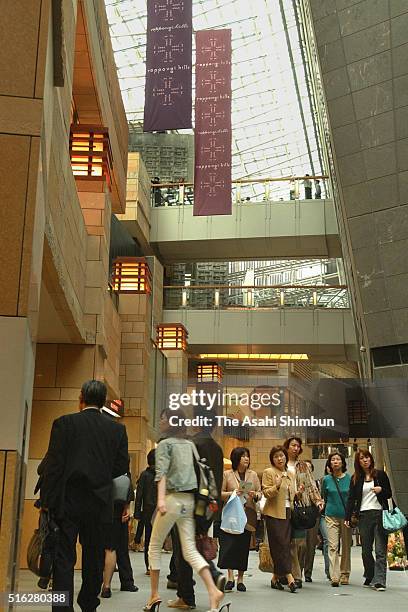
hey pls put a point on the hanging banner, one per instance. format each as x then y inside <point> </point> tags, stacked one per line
<point>168,98</point>
<point>212,176</point>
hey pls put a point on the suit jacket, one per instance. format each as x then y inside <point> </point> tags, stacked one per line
<point>275,504</point>
<point>86,451</point>
<point>146,494</point>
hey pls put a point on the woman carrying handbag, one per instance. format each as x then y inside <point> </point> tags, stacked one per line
<point>278,486</point>
<point>176,483</point>
<point>234,548</point>
<point>369,493</point>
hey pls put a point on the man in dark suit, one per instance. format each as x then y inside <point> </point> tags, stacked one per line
<point>86,451</point>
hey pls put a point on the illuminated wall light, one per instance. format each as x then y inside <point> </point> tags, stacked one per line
<point>216,298</point>
<point>184,298</point>
<point>209,372</point>
<point>115,408</point>
<point>90,152</point>
<point>282,298</point>
<point>131,275</point>
<point>314,298</point>
<point>172,336</point>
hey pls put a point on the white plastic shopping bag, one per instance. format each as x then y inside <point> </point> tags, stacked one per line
<point>233,519</point>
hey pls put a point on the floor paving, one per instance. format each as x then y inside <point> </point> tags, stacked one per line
<point>316,597</point>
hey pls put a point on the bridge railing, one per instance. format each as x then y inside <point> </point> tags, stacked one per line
<point>247,190</point>
<point>207,297</point>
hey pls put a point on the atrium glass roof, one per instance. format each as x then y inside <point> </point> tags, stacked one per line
<point>273,131</point>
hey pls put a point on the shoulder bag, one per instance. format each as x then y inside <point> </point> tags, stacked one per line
<point>393,519</point>
<point>206,495</point>
<point>303,517</point>
<point>265,558</point>
<point>120,488</point>
<point>251,514</point>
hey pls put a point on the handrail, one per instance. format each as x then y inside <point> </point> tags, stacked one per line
<point>314,287</point>
<point>248,181</point>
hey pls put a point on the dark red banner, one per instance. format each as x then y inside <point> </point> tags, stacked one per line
<point>168,98</point>
<point>212,176</point>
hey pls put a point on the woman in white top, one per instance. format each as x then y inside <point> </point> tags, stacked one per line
<point>369,493</point>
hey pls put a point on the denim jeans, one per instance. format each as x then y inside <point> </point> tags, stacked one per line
<point>371,532</point>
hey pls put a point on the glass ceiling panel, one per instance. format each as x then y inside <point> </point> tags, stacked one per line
<point>273,131</point>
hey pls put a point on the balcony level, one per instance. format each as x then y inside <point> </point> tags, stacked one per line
<point>315,321</point>
<point>259,227</point>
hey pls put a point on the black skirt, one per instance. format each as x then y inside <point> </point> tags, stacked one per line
<point>112,534</point>
<point>234,550</point>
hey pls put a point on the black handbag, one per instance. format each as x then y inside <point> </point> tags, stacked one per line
<point>206,495</point>
<point>303,517</point>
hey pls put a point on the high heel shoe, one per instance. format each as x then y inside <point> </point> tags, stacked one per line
<point>276,585</point>
<point>292,587</point>
<point>153,607</point>
<point>225,606</point>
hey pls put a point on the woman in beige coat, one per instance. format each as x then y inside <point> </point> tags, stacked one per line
<point>234,548</point>
<point>278,486</point>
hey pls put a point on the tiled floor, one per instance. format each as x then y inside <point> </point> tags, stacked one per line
<point>259,597</point>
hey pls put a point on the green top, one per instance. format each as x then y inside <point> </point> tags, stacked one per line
<point>333,504</point>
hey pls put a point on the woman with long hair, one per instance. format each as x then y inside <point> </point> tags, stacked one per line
<point>176,482</point>
<point>369,493</point>
<point>234,548</point>
<point>335,490</point>
<point>278,486</point>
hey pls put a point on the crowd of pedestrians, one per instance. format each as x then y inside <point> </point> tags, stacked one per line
<point>88,451</point>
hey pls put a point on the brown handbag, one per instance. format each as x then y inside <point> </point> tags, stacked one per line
<point>252,518</point>
<point>251,514</point>
<point>206,546</point>
<point>265,559</point>
<point>354,520</point>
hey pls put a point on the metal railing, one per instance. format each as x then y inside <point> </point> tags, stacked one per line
<point>247,190</point>
<point>207,297</point>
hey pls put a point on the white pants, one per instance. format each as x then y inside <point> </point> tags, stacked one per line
<point>180,512</point>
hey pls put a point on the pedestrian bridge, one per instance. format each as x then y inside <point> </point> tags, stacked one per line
<point>323,334</point>
<point>254,230</point>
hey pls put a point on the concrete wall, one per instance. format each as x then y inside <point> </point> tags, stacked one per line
<point>363,52</point>
<point>137,215</point>
<point>54,236</point>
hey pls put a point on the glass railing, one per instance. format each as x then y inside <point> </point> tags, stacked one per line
<point>245,191</point>
<point>206,297</point>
